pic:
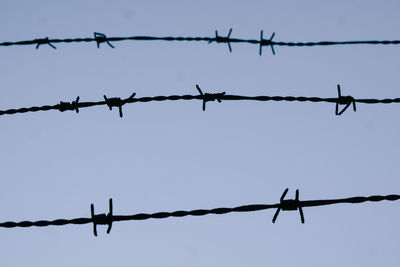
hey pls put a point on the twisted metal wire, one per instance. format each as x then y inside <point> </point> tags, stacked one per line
<point>102,38</point>
<point>289,204</point>
<point>204,97</point>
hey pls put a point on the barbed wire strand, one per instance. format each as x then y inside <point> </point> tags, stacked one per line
<point>288,204</point>
<point>102,38</point>
<point>117,102</point>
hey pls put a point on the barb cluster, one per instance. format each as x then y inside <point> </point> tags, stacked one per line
<point>288,204</point>
<point>102,38</point>
<point>204,97</point>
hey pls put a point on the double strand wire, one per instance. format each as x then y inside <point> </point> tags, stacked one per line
<point>117,102</point>
<point>289,204</point>
<point>102,38</point>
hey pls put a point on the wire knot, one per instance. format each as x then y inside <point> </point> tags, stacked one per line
<point>101,38</point>
<point>102,219</point>
<point>118,102</point>
<point>289,204</point>
<point>74,105</point>
<point>210,97</point>
<point>344,100</point>
<point>220,39</point>
<point>266,42</point>
<point>43,41</point>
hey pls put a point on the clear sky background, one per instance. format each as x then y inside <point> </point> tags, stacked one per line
<point>171,155</point>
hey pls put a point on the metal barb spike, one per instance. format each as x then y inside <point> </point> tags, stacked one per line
<point>44,41</point>
<point>102,219</point>
<point>220,39</point>
<point>289,204</point>
<point>265,42</point>
<point>101,38</point>
<point>118,102</point>
<point>209,97</point>
<point>114,102</point>
<point>228,41</point>
<point>344,100</point>
<point>272,44</point>
<point>74,105</point>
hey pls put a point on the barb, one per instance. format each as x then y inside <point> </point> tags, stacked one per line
<point>102,38</point>
<point>209,97</point>
<point>344,100</point>
<point>74,105</point>
<point>44,41</point>
<point>290,204</point>
<point>102,218</point>
<point>108,219</point>
<point>264,42</point>
<point>204,97</point>
<point>118,102</point>
<point>219,39</point>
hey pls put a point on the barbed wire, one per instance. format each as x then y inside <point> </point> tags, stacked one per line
<point>117,102</point>
<point>102,38</point>
<point>284,204</point>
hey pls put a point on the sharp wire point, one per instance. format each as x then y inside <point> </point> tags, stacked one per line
<point>132,96</point>
<point>93,220</point>
<point>228,40</point>
<point>261,42</point>
<point>299,206</point>
<point>198,89</point>
<point>284,194</point>
<point>271,43</point>
<point>301,214</point>
<point>276,215</point>
<point>110,216</point>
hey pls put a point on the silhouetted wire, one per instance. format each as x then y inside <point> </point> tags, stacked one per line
<point>288,204</point>
<point>117,102</point>
<point>102,38</point>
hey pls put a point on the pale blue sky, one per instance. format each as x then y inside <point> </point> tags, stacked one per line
<point>171,155</point>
